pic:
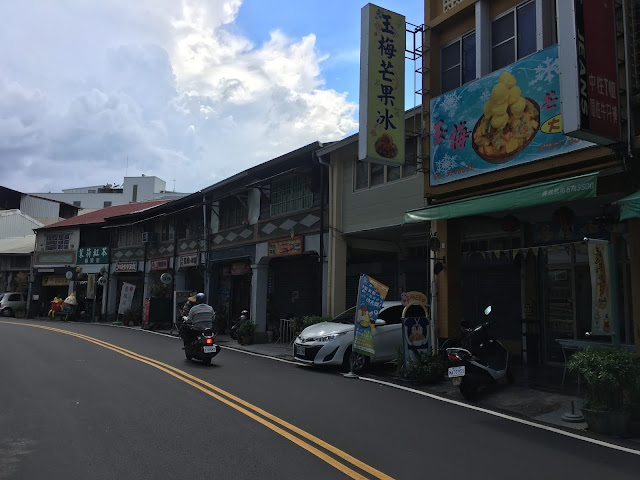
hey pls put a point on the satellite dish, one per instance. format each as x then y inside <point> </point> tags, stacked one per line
<point>69,275</point>
<point>166,278</point>
<point>102,281</point>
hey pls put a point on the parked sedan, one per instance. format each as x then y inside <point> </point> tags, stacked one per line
<point>10,302</point>
<point>330,343</point>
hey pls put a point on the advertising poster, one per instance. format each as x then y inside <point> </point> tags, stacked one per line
<point>371,295</point>
<point>600,289</point>
<point>507,118</point>
<point>382,50</point>
<point>416,331</point>
<point>126,297</point>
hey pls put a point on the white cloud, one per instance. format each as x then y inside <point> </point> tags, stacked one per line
<point>167,85</point>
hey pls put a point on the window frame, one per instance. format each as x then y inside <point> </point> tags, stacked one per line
<point>233,211</point>
<point>460,40</point>
<point>286,189</point>
<point>403,174</point>
<point>514,11</point>
<point>60,242</point>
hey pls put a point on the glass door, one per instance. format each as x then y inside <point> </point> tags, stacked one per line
<point>559,310</point>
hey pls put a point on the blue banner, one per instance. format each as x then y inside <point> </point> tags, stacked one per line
<point>371,295</point>
<point>507,118</point>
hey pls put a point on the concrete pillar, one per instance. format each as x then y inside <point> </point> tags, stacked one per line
<point>634,251</point>
<point>259,285</point>
<point>337,252</point>
<point>112,307</point>
<point>325,287</point>
<point>448,280</point>
<point>180,280</point>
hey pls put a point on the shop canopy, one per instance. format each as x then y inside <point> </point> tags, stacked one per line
<point>630,206</point>
<point>565,190</point>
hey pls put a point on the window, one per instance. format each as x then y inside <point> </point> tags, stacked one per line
<point>106,204</point>
<point>134,195</point>
<point>371,174</point>
<point>167,231</point>
<point>233,211</point>
<point>513,35</point>
<point>14,297</point>
<point>91,191</point>
<point>77,203</point>
<point>458,62</point>
<point>129,236</point>
<point>57,242</point>
<point>289,195</point>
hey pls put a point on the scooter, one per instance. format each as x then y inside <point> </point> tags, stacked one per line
<point>244,315</point>
<point>199,340</point>
<point>480,362</point>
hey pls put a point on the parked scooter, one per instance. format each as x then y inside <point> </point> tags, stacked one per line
<point>244,315</point>
<point>199,340</point>
<point>480,361</point>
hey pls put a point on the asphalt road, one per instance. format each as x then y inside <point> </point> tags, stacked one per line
<point>79,408</point>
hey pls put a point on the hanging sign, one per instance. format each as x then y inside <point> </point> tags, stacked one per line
<point>288,246</point>
<point>382,47</point>
<point>127,266</point>
<point>371,295</point>
<point>91,286</point>
<point>589,70</point>
<point>92,255</point>
<point>600,289</point>
<point>159,264</point>
<point>188,261</point>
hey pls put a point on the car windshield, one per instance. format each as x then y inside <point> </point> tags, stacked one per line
<point>1,295</point>
<point>346,317</point>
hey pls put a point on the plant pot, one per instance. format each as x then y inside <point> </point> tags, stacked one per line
<point>608,422</point>
<point>245,340</point>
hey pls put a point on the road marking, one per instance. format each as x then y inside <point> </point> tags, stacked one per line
<point>506,417</point>
<point>216,393</point>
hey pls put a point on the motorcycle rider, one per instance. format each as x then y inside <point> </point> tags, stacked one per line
<point>200,312</point>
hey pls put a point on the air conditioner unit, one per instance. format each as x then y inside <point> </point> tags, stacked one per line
<point>148,237</point>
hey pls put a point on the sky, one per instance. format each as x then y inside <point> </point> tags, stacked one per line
<point>191,91</point>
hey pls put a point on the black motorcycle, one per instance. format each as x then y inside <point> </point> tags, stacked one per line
<point>244,315</point>
<point>199,341</point>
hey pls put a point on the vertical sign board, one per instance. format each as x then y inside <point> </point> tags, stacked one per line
<point>589,70</point>
<point>91,286</point>
<point>371,295</point>
<point>382,47</point>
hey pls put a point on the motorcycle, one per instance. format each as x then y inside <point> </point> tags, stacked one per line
<point>199,340</point>
<point>244,315</point>
<point>481,361</point>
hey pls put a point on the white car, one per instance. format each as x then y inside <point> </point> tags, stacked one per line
<point>330,343</point>
<point>10,301</point>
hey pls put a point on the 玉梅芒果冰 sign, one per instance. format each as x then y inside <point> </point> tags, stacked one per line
<point>382,47</point>
<point>587,49</point>
<point>507,118</point>
<point>92,255</point>
<point>371,295</point>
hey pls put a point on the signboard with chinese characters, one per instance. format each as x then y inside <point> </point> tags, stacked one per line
<point>91,286</point>
<point>382,46</point>
<point>288,246</point>
<point>371,295</point>
<point>54,281</point>
<point>600,271</point>
<point>126,297</point>
<point>127,266</point>
<point>159,264</point>
<point>92,255</point>
<point>589,70</point>
<point>188,261</point>
<point>56,258</point>
<point>507,118</point>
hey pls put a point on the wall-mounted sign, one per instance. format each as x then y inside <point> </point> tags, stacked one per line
<point>56,258</point>
<point>54,281</point>
<point>127,266</point>
<point>507,118</point>
<point>93,255</point>
<point>91,286</point>
<point>589,70</point>
<point>188,261</point>
<point>382,46</point>
<point>159,264</point>
<point>239,268</point>
<point>287,246</point>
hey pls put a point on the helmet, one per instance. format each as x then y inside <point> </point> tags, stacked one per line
<point>200,298</point>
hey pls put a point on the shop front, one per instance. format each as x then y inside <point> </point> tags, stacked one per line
<point>126,280</point>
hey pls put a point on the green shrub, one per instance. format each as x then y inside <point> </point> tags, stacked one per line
<point>426,369</point>
<point>246,328</point>
<point>398,361</point>
<point>611,375</point>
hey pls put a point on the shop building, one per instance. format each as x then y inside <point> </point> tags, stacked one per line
<point>530,224</point>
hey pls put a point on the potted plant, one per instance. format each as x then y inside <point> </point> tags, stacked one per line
<point>245,332</point>
<point>610,375</point>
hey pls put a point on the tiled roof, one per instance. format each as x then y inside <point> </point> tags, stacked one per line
<point>98,216</point>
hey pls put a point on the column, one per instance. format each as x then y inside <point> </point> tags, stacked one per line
<point>634,250</point>
<point>448,280</point>
<point>259,285</point>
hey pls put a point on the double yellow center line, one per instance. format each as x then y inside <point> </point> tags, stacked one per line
<point>281,427</point>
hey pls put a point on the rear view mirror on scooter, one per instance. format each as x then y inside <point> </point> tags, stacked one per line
<point>487,310</point>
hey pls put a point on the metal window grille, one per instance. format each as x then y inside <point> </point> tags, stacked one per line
<point>289,195</point>
<point>233,211</point>
<point>57,242</point>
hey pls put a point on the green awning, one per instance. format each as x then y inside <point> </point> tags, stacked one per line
<point>630,206</point>
<point>565,190</point>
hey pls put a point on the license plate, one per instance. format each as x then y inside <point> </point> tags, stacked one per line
<point>210,349</point>
<point>299,350</point>
<point>456,372</point>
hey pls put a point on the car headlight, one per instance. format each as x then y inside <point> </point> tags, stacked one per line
<point>333,336</point>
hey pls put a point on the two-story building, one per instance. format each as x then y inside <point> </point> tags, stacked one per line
<point>528,218</point>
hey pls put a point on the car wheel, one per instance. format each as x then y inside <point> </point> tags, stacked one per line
<point>359,363</point>
<point>6,312</point>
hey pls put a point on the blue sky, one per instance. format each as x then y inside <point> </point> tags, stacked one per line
<point>195,90</point>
